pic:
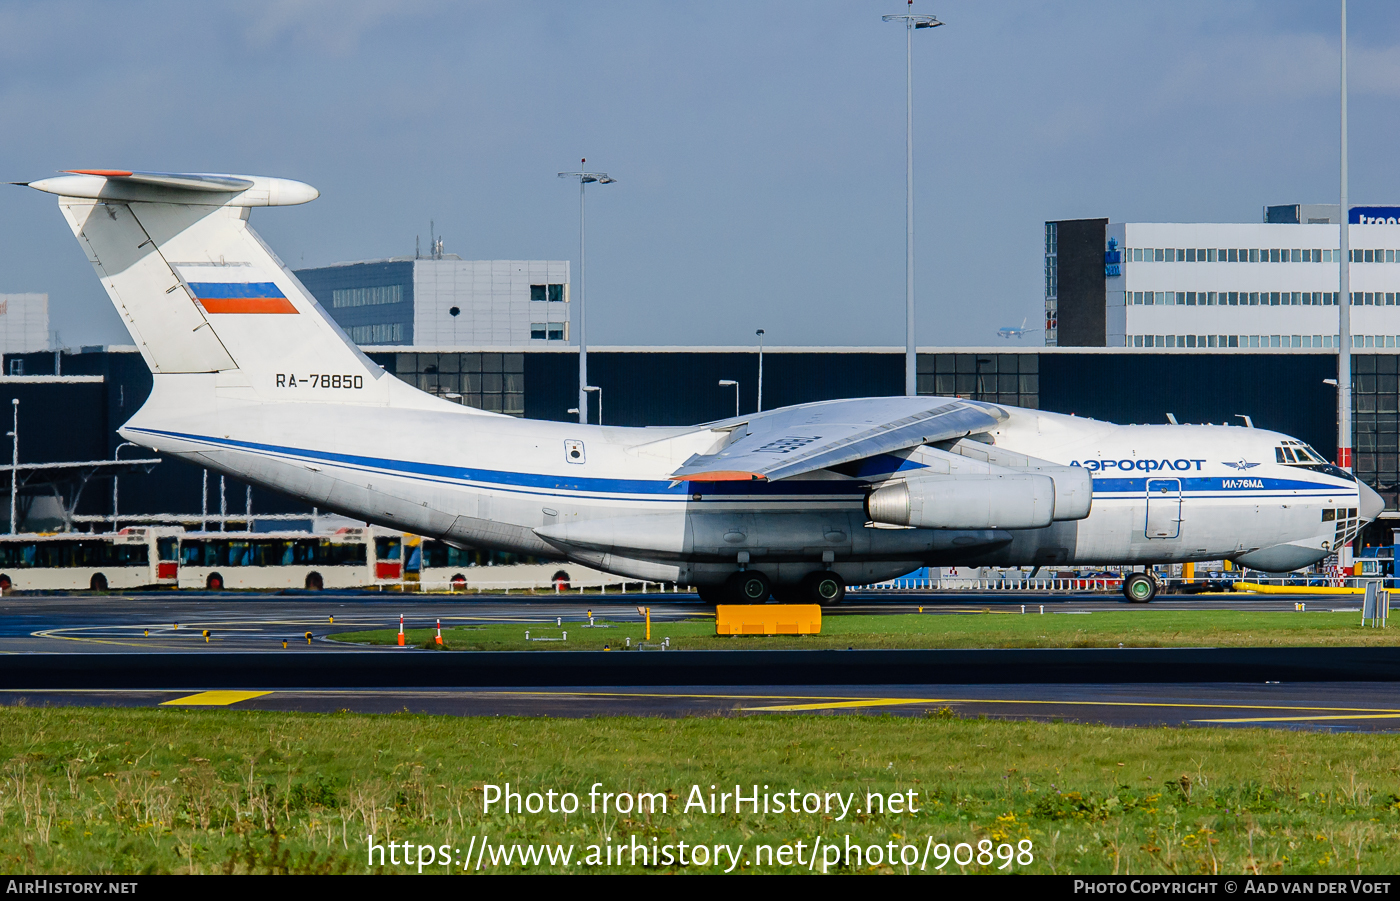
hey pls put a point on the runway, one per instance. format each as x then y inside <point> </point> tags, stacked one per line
<point>149,651</point>
<point>1331,707</point>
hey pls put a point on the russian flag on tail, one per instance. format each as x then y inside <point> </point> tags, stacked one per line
<point>241,297</point>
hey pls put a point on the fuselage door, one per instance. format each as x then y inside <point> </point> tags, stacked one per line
<point>1163,508</point>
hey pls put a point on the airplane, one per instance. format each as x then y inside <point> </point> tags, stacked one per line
<point>1015,331</point>
<point>252,379</point>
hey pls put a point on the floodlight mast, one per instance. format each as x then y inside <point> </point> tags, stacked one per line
<point>584,178</point>
<point>1344,437</point>
<point>911,21</point>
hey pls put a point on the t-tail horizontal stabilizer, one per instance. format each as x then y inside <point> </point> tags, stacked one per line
<point>201,293</point>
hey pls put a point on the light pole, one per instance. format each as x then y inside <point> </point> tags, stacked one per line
<point>759,333</point>
<point>14,466</point>
<point>583,179</point>
<point>117,455</point>
<point>911,22</point>
<point>587,390</point>
<point>1344,295</point>
<point>725,383</point>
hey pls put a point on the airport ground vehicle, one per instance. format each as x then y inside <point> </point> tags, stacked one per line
<point>349,558</point>
<point>131,558</point>
<point>252,379</point>
<point>153,557</point>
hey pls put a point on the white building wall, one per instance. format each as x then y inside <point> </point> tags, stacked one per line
<point>1250,304</point>
<point>492,299</point>
<point>24,323</point>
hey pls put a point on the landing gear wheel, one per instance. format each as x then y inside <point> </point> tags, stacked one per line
<point>710,595</point>
<point>749,587</point>
<point>825,588</point>
<point>1139,588</point>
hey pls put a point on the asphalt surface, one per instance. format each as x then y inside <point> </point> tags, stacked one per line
<point>1331,707</point>
<point>63,630</point>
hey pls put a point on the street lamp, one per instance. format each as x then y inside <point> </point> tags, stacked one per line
<point>583,179</point>
<point>116,455</point>
<point>911,22</point>
<point>583,407</point>
<point>725,383</point>
<point>759,333</point>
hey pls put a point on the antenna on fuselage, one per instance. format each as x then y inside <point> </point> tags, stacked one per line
<point>1248,423</point>
<point>1171,417</point>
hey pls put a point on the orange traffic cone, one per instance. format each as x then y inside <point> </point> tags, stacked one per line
<point>439,632</point>
<point>401,630</point>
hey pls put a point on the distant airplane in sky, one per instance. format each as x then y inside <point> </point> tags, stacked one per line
<point>1014,331</point>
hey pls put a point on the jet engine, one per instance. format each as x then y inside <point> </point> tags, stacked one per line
<point>1007,499</point>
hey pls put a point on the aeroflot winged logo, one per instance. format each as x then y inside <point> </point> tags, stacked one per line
<point>1240,465</point>
<point>241,297</point>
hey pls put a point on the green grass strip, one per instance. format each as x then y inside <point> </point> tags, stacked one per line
<point>1129,628</point>
<point>187,791</point>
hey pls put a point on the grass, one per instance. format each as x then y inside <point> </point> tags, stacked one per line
<point>1130,628</point>
<point>134,790</point>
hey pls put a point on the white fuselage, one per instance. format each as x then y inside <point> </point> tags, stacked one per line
<point>602,496</point>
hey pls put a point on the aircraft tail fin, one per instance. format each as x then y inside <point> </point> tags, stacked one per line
<point>201,293</point>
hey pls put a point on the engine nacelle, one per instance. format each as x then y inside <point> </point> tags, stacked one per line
<point>1074,490</point>
<point>1014,500</point>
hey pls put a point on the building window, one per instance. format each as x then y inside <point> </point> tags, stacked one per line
<point>366,297</point>
<point>1012,379</point>
<point>537,331</point>
<point>486,381</point>
<point>550,293</point>
<point>383,333</point>
<point>556,331</point>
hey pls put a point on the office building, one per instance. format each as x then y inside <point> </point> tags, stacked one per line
<point>1226,286</point>
<point>445,300</point>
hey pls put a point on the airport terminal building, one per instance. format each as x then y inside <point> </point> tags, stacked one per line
<point>1227,286</point>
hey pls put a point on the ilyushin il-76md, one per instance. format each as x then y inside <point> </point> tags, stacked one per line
<point>254,380</point>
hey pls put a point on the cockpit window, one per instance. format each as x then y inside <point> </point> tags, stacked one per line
<point>1296,453</point>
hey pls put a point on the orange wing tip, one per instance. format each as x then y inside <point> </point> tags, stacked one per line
<point>727,476</point>
<point>105,173</point>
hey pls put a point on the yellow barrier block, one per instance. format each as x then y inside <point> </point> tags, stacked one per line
<point>1294,589</point>
<point>768,619</point>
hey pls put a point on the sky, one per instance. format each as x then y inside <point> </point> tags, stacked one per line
<point>758,147</point>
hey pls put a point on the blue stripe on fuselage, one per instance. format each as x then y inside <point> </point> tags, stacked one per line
<point>1233,484</point>
<point>665,488</point>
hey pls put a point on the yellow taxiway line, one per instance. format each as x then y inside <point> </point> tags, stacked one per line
<point>891,702</point>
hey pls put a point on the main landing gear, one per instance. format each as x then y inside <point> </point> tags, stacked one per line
<point>1140,588</point>
<point>753,587</point>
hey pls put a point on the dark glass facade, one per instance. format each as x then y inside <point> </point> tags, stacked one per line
<point>1285,392</point>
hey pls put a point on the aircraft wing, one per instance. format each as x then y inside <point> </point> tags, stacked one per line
<point>796,440</point>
